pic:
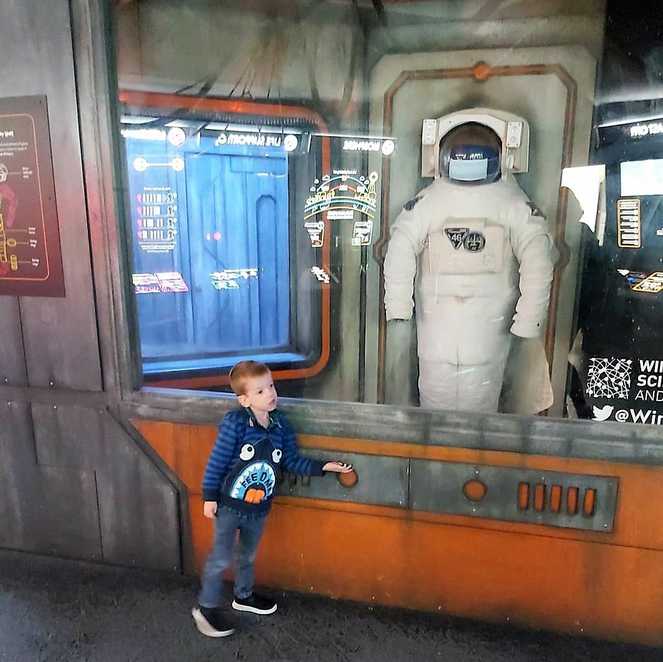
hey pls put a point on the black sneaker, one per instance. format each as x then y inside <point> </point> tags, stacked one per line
<point>210,623</point>
<point>256,604</point>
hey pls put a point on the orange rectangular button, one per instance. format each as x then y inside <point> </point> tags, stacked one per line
<point>539,497</point>
<point>523,496</point>
<point>555,498</point>
<point>572,500</point>
<point>589,502</point>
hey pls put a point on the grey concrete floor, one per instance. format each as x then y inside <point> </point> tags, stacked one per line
<point>52,609</point>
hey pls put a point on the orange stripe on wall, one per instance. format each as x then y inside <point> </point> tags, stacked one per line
<point>565,585</point>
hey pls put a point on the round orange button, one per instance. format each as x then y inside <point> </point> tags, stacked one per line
<point>349,479</point>
<point>475,490</point>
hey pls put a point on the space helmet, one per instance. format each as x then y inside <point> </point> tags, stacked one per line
<point>471,153</point>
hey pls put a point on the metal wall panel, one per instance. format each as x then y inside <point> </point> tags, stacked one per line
<point>551,498</point>
<point>12,358</point>
<point>17,461</point>
<point>69,436</point>
<point>382,481</point>
<point>43,509</point>
<point>62,516</point>
<point>60,334</point>
<point>138,507</point>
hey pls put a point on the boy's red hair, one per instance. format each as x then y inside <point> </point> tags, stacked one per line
<point>243,371</point>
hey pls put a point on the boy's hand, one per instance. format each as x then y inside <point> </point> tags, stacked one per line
<point>338,467</point>
<point>209,509</point>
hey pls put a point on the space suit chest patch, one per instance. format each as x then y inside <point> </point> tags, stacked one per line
<point>466,246</point>
<point>456,236</point>
<point>471,240</point>
<point>474,242</point>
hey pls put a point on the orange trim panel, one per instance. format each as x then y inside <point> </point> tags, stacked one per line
<point>600,584</point>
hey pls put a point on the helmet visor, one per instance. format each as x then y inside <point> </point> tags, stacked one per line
<point>473,163</point>
<point>471,153</point>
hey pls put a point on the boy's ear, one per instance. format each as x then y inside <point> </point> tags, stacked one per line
<point>243,400</point>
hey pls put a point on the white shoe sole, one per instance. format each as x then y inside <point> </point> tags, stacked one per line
<point>205,628</point>
<point>253,610</point>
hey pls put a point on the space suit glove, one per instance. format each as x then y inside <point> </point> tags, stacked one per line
<point>526,329</point>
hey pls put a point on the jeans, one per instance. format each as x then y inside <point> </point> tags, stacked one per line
<point>250,531</point>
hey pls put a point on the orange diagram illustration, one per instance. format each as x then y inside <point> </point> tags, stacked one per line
<point>8,205</point>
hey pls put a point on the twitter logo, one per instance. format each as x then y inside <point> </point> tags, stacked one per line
<point>603,413</point>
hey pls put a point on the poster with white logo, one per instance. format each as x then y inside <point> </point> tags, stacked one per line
<point>626,390</point>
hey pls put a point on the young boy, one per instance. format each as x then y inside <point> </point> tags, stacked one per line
<point>253,444</point>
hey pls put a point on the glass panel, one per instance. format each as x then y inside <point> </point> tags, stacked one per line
<point>213,253</point>
<point>642,178</point>
<point>213,216</point>
<point>438,204</point>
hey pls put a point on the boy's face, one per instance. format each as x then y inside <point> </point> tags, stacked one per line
<point>259,394</point>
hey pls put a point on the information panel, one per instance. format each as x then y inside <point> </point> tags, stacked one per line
<point>30,255</point>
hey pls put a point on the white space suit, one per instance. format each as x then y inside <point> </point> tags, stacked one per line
<point>483,262</point>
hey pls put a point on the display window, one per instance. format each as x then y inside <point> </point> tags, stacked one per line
<point>215,262</point>
<point>454,206</point>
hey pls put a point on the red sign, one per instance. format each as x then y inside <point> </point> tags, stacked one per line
<point>30,255</point>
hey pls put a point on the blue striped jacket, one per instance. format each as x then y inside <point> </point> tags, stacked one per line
<point>240,427</point>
